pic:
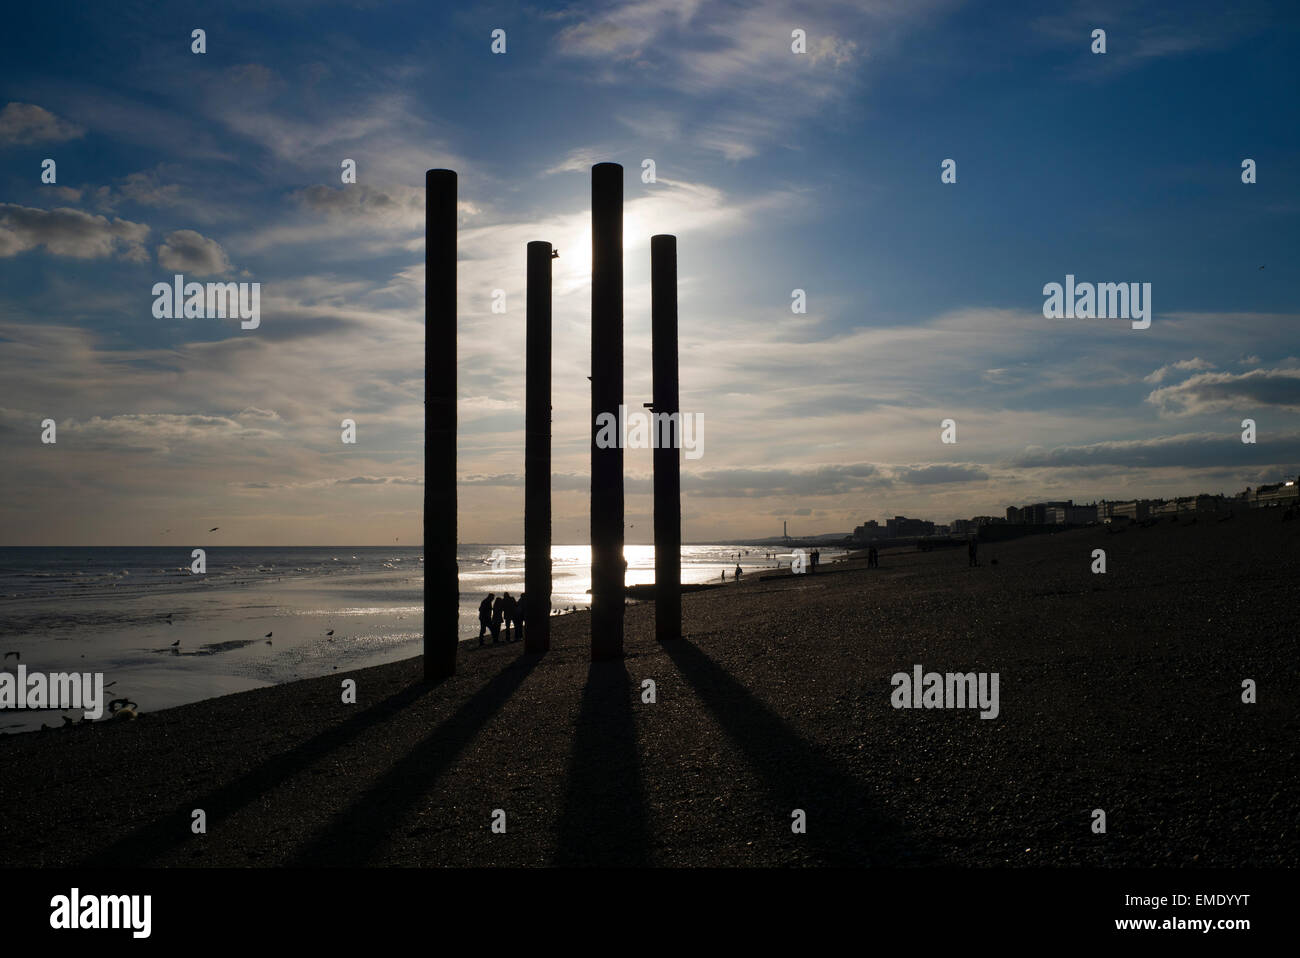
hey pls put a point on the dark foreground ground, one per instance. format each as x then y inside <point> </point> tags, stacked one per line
<point>1119,692</point>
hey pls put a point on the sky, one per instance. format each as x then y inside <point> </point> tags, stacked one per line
<point>820,170</point>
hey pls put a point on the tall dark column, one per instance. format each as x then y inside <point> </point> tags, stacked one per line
<point>441,581</point>
<point>667,434</point>
<point>537,453</point>
<point>607,569</point>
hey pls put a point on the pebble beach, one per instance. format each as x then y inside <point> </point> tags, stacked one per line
<point>1120,692</point>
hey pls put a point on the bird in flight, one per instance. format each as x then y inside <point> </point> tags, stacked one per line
<point>176,644</point>
<point>16,655</point>
<point>214,528</point>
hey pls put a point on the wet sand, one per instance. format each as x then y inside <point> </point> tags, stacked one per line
<point>1119,692</point>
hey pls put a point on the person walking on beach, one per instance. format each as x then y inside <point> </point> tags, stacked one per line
<point>510,612</point>
<point>498,613</point>
<point>484,617</point>
<point>738,571</point>
<point>520,613</point>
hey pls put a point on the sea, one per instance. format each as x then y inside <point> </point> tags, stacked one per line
<point>165,636</point>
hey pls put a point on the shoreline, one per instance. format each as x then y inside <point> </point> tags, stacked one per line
<point>1118,691</point>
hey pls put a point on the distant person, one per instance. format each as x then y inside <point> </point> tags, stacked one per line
<point>738,571</point>
<point>498,613</point>
<point>724,575</point>
<point>972,552</point>
<point>521,610</point>
<point>484,616</point>
<point>510,608</point>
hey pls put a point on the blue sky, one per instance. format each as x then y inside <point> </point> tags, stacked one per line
<point>818,171</point>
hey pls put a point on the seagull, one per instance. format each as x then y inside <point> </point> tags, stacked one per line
<point>214,528</point>
<point>16,655</point>
<point>268,635</point>
<point>330,632</point>
<point>176,644</point>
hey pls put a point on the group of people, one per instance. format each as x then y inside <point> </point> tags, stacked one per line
<point>498,610</point>
<point>873,558</point>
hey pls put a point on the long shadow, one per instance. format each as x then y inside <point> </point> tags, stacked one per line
<point>842,827</point>
<point>170,830</point>
<point>353,835</point>
<point>604,818</point>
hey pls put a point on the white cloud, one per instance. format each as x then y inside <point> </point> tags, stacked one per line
<point>28,124</point>
<point>68,232</point>
<point>186,251</point>
<point>1213,392</point>
<point>1196,363</point>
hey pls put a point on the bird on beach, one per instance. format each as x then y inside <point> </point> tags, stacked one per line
<point>268,635</point>
<point>176,644</point>
<point>330,632</point>
<point>16,655</point>
<point>214,528</point>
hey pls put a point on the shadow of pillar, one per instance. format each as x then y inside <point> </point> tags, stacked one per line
<point>604,816</point>
<point>354,835</point>
<point>843,826</point>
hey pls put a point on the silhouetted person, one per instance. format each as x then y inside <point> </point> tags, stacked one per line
<point>521,613</point>
<point>510,607</point>
<point>484,616</point>
<point>724,575</point>
<point>498,613</point>
<point>738,571</point>
<point>972,552</point>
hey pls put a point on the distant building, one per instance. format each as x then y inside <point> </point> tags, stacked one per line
<point>1014,515</point>
<point>901,526</point>
<point>868,530</point>
<point>1138,510</point>
<point>1080,515</point>
<point>1275,494</point>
